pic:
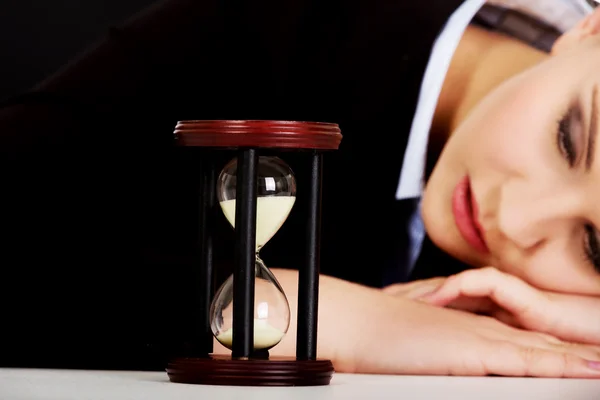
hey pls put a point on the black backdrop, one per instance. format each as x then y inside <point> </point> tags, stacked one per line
<point>37,36</point>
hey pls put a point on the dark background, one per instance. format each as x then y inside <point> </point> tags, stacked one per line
<point>99,207</point>
<point>42,322</point>
<point>37,37</point>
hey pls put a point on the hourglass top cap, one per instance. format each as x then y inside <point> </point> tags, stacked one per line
<point>258,133</point>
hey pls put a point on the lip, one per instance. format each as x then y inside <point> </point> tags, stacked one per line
<point>465,210</point>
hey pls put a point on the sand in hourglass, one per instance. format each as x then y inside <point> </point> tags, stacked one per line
<point>265,336</point>
<point>271,213</point>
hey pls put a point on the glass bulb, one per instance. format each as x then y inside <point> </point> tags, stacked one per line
<point>271,311</point>
<point>276,195</point>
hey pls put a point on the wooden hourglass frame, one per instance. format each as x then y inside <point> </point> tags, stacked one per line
<point>245,367</point>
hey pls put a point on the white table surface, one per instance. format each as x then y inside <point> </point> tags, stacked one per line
<point>38,384</point>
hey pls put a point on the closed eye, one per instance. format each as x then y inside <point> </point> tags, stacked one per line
<point>569,146</point>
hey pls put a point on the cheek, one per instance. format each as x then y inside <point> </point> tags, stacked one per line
<point>512,136</point>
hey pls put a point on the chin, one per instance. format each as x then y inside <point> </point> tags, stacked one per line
<point>458,251</point>
<point>444,235</point>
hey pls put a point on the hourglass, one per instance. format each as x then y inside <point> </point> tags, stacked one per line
<point>249,314</point>
<point>276,195</point>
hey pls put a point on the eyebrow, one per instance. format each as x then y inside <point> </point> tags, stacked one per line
<point>593,133</point>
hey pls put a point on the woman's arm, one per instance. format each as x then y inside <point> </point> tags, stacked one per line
<point>364,330</point>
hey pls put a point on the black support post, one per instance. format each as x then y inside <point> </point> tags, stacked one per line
<point>308,280</point>
<point>206,277</point>
<point>245,253</point>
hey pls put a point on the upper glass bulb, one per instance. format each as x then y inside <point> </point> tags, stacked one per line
<point>276,194</point>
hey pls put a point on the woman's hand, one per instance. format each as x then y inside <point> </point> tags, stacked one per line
<point>509,299</point>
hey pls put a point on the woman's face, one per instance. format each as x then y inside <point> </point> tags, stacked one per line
<point>518,184</point>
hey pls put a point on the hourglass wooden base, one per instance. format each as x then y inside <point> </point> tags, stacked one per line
<point>223,370</point>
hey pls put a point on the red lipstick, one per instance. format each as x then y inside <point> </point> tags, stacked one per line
<point>464,208</point>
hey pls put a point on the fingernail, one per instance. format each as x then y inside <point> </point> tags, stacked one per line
<point>594,364</point>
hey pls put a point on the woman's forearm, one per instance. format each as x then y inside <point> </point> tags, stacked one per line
<point>345,311</point>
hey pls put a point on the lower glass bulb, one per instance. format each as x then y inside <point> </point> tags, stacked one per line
<point>271,311</point>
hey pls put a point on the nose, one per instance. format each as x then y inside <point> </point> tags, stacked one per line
<point>530,214</point>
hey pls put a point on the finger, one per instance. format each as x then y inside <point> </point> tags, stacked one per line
<point>477,305</point>
<point>545,341</point>
<point>506,318</point>
<point>414,289</point>
<point>418,291</point>
<point>583,351</point>
<point>509,292</point>
<point>579,318</point>
<point>549,342</point>
<point>509,359</point>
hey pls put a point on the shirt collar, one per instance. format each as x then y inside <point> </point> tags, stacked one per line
<point>413,166</point>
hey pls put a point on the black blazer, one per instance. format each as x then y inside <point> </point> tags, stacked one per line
<point>101,207</point>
